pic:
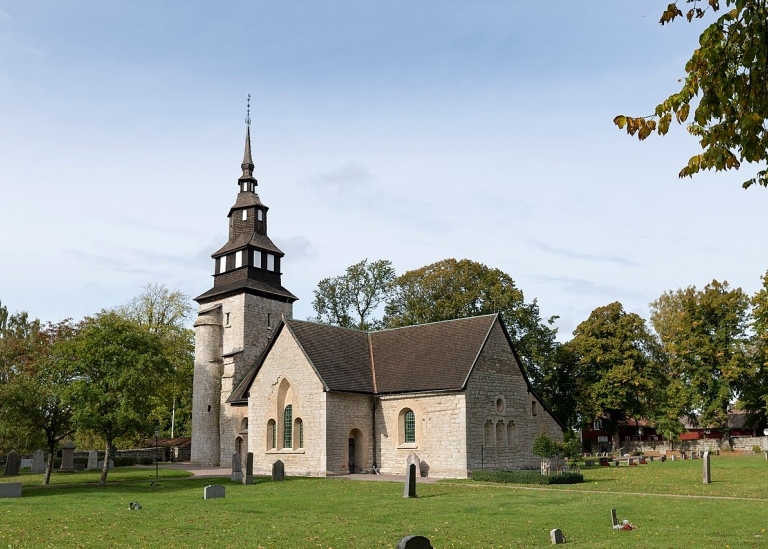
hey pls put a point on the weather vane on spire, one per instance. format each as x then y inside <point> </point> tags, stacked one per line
<point>248,116</point>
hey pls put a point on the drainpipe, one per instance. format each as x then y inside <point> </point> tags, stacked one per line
<point>373,430</point>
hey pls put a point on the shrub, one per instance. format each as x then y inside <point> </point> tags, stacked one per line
<point>756,449</point>
<point>146,461</point>
<point>124,461</point>
<point>526,477</point>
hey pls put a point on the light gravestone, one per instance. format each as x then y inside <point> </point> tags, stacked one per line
<point>707,472</point>
<point>93,460</point>
<point>100,464</point>
<point>278,470</point>
<point>410,481</point>
<point>26,463</point>
<point>12,463</point>
<point>67,458</point>
<point>248,478</point>
<point>38,462</point>
<point>556,536</point>
<point>237,468</point>
<point>213,491</point>
<point>414,542</point>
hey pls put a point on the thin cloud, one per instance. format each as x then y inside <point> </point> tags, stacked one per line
<point>581,287</point>
<point>570,254</point>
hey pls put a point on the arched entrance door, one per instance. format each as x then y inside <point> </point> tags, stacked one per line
<point>355,451</point>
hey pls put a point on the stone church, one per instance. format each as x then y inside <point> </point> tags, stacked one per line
<point>327,400</point>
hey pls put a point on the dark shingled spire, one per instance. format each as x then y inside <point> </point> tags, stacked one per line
<point>247,164</point>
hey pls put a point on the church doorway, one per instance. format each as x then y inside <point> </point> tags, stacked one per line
<point>355,451</point>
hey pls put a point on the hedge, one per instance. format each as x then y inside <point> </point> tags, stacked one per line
<point>527,477</point>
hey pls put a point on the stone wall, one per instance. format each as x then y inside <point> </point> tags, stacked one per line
<point>503,417</point>
<point>286,377</point>
<point>351,417</point>
<point>440,433</point>
<point>206,387</point>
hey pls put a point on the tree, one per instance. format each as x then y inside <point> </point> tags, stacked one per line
<point>704,335</point>
<point>452,289</point>
<point>167,313</point>
<point>116,367</point>
<point>754,384</point>
<point>559,385</point>
<point>728,76</point>
<point>618,376</point>
<point>351,299</point>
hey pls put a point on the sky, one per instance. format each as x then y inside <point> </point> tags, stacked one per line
<point>412,131</point>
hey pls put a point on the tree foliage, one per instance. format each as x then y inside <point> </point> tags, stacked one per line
<point>350,300</point>
<point>704,335</point>
<point>727,80</point>
<point>619,376</point>
<point>452,289</point>
<point>167,314</point>
<point>115,367</point>
<point>753,386</point>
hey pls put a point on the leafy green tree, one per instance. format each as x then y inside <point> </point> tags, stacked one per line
<point>452,289</point>
<point>351,299</point>
<point>727,81</point>
<point>619,376</point>
<point>704,335</point>
<point>168,314</point>
<point>754,384</point>
<point>116,366</point>
<point>18,335</point>
<point>559,385</point>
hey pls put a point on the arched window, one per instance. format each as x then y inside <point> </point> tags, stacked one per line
<point>271,434</point>
<point>288,427</point>
<point>409,426</point>
<point>500,434</point>
<point>298,430</point>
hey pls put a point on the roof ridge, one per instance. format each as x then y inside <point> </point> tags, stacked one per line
<point>463,318</point>
<point>328,325</point>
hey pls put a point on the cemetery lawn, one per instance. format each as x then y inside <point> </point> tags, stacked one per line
<point>119,474</point>
<point>340,513</point>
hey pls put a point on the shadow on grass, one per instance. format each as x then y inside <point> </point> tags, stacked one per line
<point>133,486</point>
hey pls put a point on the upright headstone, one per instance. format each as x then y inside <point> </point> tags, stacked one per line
<point>410,481</point>
<point>213,491</point>
<point>38,462</point>
<point>100,465</point>
<point>707,472</point>
<point>413,458</point>
<point>93,460</point>
<point>414,542</point>
<point>664,458</point>
<point>556,536</point>
<point>673,457</point>
<point>12,463</point>
<point>67,457</point>
<point>614,519</point>
<point>237,468</point>
<point>278,470</point>
<point>10,489</point>
<point>248,478</point>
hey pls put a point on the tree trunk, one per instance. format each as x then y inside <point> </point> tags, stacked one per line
<point>105,468</point>
<point>49,465</point>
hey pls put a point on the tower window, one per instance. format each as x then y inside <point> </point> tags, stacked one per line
<point>533,408</point>
<point>222,264</point>
<point>260,215</point>
<point>269,320</point>
<point>270,262</point>
<point>257,258</point>
<point>245,215</point>
<point>238,260</point>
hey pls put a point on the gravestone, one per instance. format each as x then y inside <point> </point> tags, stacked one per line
<point>38,462</point>
<point>93,460</point>
<point>673,457</point>
<point>10,490</point>
<point>100,464</point>
<point>614,519</point>
<point>707,472</point>
<point>237,468</point>
<point>248,477</point>
<point>664,458</point>
<point>213,491</point>
<point>410,481</point>
<point>414,542</point>
<point>278,470</point>
<point>67,457</point>
<point>12,463</point>
<point>26,463</point>
<point>413,458</point>
<point>589,463</point>
<point>556,536</point>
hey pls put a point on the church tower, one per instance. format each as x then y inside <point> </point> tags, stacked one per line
<point>235,321</point>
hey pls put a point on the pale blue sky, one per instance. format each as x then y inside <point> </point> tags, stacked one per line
<point>410,131</point>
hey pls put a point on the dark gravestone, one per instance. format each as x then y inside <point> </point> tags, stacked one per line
<point>410,482</point>
<point>556,536</point>
<point>663,459</point>
<point>237,468</point>
<point>707,472</point>
<point>213,491</point>
<point>67,458</point>
<point>614,519</point>
<point>10,489</point>
<point>278,470</point>
<point>414,542</point>
<point>248,477</point>
<point>12,463</point>
<point>38,462</point>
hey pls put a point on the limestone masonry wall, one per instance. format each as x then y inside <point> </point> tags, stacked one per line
<point>501,424</point>
<point>206,389</point>
<point>440,434</point>
<point>347,413</point>
<point>286,377</point>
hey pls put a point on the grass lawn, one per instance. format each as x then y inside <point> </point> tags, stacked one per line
<point>119,474</point>
<point>337,513</point>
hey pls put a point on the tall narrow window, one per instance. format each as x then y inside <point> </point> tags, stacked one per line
<point>270,262</point>
<point>238,260</point>
<point>222,264</point>
<point>257,258</point>
<point>288,427</point>
<point>298,431</point>
<point>271,434</point>
<point>260,215</point>
<point>245,215</point>
<point>533,408</point>
<point>410,426</point>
